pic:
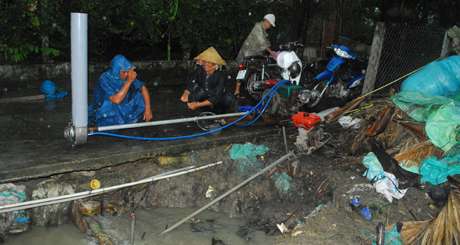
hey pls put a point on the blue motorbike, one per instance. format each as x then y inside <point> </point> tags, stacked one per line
<point>343,77</point>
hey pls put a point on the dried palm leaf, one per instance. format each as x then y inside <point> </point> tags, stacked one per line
<point>455,200</point>
<point>445,228</point>
<point>381,122</point>
<point>438,227</point>
<point>418,154</point>
<point>418,128</point>
<point>427,235</point>
<point>335,115</point>
<point>448,222</point>
<point>412,231</point>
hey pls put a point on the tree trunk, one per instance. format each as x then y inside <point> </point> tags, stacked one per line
<point>44,33</point>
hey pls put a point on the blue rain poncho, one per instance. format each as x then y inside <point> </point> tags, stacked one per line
<point>102,111</point>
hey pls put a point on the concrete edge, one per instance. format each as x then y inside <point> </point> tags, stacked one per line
<point>113,160</point>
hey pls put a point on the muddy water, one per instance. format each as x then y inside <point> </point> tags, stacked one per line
<point>149,223</point>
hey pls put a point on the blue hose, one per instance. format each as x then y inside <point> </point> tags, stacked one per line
<point>208,132</point>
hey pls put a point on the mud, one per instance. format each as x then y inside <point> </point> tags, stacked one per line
<point>314,207</point>
<point>323,181</point>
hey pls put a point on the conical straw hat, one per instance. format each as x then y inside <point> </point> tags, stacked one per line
<point>211,55</point>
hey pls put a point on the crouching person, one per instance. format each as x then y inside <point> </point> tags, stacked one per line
<point>206,88</point>
<point>119,98</point>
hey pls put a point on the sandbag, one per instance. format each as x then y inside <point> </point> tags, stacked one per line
<point>437,78</point>
<point>51,91</point>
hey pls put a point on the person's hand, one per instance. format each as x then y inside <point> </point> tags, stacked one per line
<point>192,105</point>
<point>132,75</point>
<point>148,115</point>
<point>184,97</point>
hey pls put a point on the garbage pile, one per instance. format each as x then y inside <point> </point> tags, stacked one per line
<point>409,139</point>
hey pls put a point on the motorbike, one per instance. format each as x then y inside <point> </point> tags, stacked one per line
<point>343,77</point>
<point>259,73</point>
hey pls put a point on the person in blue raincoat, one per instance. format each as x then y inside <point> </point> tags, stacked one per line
<point>119,98</point>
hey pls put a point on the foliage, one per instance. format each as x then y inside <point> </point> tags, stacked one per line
<point>33,29</point>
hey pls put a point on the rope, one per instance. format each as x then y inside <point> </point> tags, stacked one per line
<point>388,84</point>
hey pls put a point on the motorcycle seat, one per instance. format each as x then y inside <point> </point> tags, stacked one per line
<point>268,60</point>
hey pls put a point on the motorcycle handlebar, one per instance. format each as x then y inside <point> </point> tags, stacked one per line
<point>288,45</point>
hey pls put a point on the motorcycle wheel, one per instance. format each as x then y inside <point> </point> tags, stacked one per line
<point>315,96</point>
<point>307,81</point>
<point>250,83</point>
<point>274,104</point>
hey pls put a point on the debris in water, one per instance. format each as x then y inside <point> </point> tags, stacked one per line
<point>216,241</point>
<point>209,192</point>
<point>295,234</point>
<point>282,228</point>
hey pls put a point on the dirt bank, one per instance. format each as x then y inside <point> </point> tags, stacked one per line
<point>308,195</point>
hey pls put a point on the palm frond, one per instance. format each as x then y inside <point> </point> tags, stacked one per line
<point>418,153</point>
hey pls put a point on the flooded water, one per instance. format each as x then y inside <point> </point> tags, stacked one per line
<point>148,224</point>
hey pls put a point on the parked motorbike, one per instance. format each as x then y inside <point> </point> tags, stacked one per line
<point>255,71</point>
<point>343,77</point>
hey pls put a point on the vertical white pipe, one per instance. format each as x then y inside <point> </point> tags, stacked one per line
<point>79,66</point>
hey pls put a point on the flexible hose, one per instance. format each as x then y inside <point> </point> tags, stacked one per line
<point>208,132</point>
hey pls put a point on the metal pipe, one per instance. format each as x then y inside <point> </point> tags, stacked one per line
<point>133,217</point>
<point>79,75</point>
<point>80,195</point>
<point>228,192</point>
<point>285,141</point>
<point>164,122</point>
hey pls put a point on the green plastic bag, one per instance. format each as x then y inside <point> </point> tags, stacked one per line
<point>441,114</point>
<point>435,171</point>
<point>247,157</point>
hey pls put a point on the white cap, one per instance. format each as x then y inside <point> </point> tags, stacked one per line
<point>270,18</point>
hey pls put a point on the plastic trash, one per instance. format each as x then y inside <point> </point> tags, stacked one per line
<point>388,185</point>
<point>246,156</point>
<point>393,237</point>
<point>441,114</point>
<point>374,168</point>
<point>349,122</point>
<point>435,171</point>
<point>51,91</point>
<point>354,203</point>
<point>437,78</point>
<point>283,184</point>
<point>15,221</point>
<point>209,192</point>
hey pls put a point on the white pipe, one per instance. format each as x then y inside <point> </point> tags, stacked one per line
<point>80,195</point>
<point>166,122</point>
<point>79,69</point>
<point>79,66</point>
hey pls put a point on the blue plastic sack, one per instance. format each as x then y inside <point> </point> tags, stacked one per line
<point>51,91</point>
<point>437,78</point>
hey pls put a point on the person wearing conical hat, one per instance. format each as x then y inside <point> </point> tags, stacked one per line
<point>206,88</point>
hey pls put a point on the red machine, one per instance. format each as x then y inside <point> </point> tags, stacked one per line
<point>310,132</point>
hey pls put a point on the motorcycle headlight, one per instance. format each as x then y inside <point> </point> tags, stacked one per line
<point>341,53</point>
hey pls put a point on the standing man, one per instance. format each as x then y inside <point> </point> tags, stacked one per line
<point>207,85</point>
<point>119,98</point>
<point>255,44</point>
